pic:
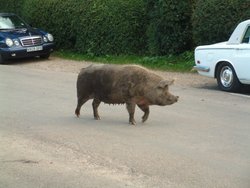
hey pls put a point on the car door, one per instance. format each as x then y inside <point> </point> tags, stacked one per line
<point>242,58</point>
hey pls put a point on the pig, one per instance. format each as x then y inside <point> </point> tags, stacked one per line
<point>122,84</point>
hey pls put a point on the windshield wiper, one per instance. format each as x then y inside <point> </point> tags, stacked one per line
<point>5,29</point>
<point>20,28</point>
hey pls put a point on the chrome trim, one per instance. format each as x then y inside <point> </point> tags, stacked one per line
<point>201,68</point>
<point>226,76</point>
<point>31,41</point>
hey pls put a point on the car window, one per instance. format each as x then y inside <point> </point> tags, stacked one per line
<point>246,38</point>
<point>11,22</point>
<point>5,23</point>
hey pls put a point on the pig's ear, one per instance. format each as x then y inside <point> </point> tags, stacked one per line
<point>165,83</point>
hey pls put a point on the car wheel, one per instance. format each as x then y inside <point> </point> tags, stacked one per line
<point>45,56</point>
<point>1,59</point>
<point>227,79</point>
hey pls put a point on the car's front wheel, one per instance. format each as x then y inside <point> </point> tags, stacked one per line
<point>1,59</point>
<point>227,79</point>
<point>45,56</point>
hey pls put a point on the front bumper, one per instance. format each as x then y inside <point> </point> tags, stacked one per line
<point>201,68</point>
<point>21,52</point>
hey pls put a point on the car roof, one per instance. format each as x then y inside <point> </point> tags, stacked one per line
<point>237,35</point>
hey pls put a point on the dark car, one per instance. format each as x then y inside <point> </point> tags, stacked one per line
<point>19,40</point>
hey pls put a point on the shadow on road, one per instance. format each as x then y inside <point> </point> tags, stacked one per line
<point>245,90</point>
<point>27,60</point>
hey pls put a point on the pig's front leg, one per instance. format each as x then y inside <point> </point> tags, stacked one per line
<point>131,110</point>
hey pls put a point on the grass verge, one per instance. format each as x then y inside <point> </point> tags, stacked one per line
<point>177,63</point>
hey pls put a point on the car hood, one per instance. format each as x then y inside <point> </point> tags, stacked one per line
<point>17,33</point>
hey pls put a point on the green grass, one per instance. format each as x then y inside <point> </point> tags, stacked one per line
<point>177,63</point>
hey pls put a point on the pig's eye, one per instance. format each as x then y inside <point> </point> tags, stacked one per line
<point>162,87</point>
<point>159,88</point>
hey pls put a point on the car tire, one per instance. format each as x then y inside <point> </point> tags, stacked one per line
<point>45,56</point>
<point>1,59</point>
<point>227,79</point>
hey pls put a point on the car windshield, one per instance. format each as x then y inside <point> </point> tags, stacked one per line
<point>11,22</point>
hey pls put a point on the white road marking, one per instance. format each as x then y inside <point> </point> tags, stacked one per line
<point>241,95</point>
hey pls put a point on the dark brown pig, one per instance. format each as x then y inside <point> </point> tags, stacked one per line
<point>119,84</point>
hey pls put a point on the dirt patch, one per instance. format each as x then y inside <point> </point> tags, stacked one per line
<point>63,65</point>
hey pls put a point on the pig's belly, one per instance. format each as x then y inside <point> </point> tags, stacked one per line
<point>113,98</point>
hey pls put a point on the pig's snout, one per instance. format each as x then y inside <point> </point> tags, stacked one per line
<point>173,99</point>
<point>170,99</point>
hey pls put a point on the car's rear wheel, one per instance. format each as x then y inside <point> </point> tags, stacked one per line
<point>227,79</point>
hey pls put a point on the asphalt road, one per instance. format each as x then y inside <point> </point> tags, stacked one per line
<point>201,141</point>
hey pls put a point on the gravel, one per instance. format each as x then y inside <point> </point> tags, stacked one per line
<point>71,66</point>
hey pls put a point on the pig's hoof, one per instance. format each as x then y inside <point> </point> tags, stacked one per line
<point>144,119</point>
<point>132,122</point>
<point>97,118</point>
<point>77,112</point>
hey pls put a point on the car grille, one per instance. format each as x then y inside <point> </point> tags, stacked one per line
<point>31,41</point>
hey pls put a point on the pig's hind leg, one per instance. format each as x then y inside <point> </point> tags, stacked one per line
<point>145,109</point>
<point>95,104</point>
<point>80,102</point>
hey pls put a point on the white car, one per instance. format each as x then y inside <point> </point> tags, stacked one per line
<point>228,62</point>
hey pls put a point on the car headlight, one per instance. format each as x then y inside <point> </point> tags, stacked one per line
<point>50,37</point>
<point>16,42</point>
<point>9,42</point>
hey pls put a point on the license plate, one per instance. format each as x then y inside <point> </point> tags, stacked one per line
<point>35,48</point>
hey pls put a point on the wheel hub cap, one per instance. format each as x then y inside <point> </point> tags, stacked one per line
<point>226,76</point>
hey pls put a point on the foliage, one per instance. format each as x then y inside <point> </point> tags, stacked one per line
<point>91,26</point>
<point>11,5</point>
<point>181,63</point>
<point>215,20</point>
<point>57,17</point>
<point>139,27</point>
<point>169,27</point>
<point>112,27</point>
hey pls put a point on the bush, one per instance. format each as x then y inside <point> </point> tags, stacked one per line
<point>58,17</point>
<point>215,20</point>
<point>157,27</point>
<point>169,28</point>
<point>13,6</point>
<point>89,26</point>
<point>115,27</point>
<point>112,27</point>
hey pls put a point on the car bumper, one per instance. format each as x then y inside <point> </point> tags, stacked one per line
<point>201,68</point>
<point>21,52</point>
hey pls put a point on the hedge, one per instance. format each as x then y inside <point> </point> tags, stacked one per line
<point>95,27</point>
<point>55,16</point>
<point>104,26</point>
<point>11,6</point>
<point>214,20</point>
<point>155,27</point>
<point>112,27</point>
<point>169,29</point>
